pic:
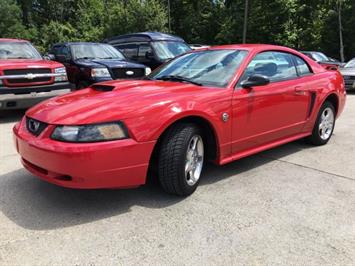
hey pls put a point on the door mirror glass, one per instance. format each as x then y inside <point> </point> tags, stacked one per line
<point>255,80</point>
<point>149,55</point>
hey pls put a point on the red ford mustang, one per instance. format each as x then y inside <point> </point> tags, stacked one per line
<point>218,104</point>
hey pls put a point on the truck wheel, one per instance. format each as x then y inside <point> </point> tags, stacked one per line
<point>181,158</point>
<point>324,126</point>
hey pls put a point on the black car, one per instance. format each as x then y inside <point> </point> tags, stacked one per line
<point>322,58</point>
<point>87,63</point>
<point>149,48</point>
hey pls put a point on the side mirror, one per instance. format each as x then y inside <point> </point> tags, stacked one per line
<point>62,58</point>
<point>149,55</point>
<point>49,56</point>
<point>255,80</point>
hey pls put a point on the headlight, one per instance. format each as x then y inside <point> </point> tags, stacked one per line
<point>147,71</point>
<point>90,133</point>
<point>100,73</point>
<point>63,76</point>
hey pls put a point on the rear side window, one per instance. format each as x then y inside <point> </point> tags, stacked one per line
<point>302,67</point>
<point>130,50</point>
<point>277,66</point>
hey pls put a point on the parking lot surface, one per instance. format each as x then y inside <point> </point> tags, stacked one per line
<point>293,205</point>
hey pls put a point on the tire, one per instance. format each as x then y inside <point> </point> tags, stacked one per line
<point>321,135</point>
<point>177,158</point>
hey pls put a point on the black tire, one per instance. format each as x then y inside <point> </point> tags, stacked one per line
<point>315,138</point>
<point>172,159</point>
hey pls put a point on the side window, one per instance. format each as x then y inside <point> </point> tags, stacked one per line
<point>55,50</point>
<point>277,66</point>
<point>130,50</point>
<point>65,51</point>
<point>302,67</point>
<point>143,49</point>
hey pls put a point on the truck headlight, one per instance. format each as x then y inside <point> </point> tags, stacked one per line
<point>100,73</point>
<point>63,76</point>
<point>147,71</point>
<point>91,133</point>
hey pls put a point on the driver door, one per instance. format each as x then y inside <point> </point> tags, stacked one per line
<point>265,114</point>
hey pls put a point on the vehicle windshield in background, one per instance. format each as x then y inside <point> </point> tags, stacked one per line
<point>18,50</point>
<point>95,51</point>
<point>167,50</point>
<point>350,64</point>
<point>208,68</point>
<point>320,57</point>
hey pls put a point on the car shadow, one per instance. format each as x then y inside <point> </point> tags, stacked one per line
<point>9,116</point>
<point>37,205</point>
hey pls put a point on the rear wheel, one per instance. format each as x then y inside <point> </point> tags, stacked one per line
<point>324,126</point>
<point>181,158</point>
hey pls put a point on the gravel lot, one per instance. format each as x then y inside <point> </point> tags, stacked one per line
<point>293,205</point>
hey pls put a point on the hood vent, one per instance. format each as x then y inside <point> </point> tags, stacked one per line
<point>102,87</point>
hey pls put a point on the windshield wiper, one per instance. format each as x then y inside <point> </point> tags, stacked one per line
<point>86,57</point>
<point>179,79</point>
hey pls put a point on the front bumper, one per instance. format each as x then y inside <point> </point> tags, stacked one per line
<point>24,97</point>
<point>112,164</point>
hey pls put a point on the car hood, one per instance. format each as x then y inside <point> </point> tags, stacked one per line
<point>109,63</point>
<point>27,63</point>
<point>128,99</point>
<point>347,71</point>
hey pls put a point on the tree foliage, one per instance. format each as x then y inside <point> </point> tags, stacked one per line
<point>301,24</point>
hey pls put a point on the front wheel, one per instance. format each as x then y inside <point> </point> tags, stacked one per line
<point>181,158</point>
<point>324,126</point>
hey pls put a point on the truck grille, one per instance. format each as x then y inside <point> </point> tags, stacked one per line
<point>26,81</point>
<point>128,73</point>
<point>34,126</point>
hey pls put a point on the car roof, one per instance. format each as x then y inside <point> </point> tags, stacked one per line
<point>252,47</point>
<point>143,36</point>
<point>12,40</point>
<point>74,43</point>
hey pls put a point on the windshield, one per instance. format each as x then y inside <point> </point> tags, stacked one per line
<point>167,50</point>
<point>95,51</point>
<point>320,57</point>
<point>18,50</point>
<point>350,64</point>
<point>209,68</point>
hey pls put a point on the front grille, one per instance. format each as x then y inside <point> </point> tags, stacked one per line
<point>128,73</point>
<point>28,71</point>
<point>34,126</point>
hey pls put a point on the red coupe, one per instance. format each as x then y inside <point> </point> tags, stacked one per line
<point>217,104</point>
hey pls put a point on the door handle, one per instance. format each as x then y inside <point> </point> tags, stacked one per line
<point>300,90</point>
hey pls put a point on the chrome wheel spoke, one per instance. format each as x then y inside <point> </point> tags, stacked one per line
<point>194,160</point>
<point>326,123</point>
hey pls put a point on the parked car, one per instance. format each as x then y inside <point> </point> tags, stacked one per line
<point>322,59</point>
<point>25,77</point>
<point>149,48</point>
<point>348,72</point>
<point>217,105</point>
<point>88,63</point>
<point>198,46</point>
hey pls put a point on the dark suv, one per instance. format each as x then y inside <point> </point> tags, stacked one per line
<point>87,63</point>
<point>149,48</point>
